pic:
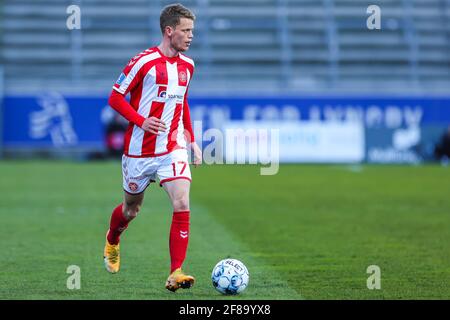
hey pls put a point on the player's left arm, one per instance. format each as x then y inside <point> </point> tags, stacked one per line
<point>189,133</point>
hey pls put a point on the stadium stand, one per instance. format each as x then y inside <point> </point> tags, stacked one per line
<point>253,46</point>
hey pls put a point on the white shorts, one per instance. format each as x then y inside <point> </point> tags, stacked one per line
<point>138,173</point>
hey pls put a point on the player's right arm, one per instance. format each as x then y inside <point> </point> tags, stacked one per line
<point>129,79</point>
<point>118,102</point>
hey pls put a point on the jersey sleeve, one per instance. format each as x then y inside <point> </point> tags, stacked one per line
<point>130,77</point>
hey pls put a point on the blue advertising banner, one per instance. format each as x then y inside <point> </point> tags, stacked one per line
<point>52,120</point>
<point>391,123</point>
<point>373,112</point>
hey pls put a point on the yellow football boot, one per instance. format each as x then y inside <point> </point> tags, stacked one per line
<point>111,257</point>
<point>178,279</point>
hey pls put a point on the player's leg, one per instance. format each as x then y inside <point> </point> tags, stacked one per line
<point>135,181</point>
<point>178,192</point>
<point>175,176</point>
<point>123,214</point>
<point>120,218</point>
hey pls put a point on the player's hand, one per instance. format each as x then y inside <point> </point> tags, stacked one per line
<point>197,154</point>
<point>154,125</point>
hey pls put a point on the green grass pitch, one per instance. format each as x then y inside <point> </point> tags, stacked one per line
<point>309,232</point>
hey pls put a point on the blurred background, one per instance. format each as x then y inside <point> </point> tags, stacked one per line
<point>266,60</point>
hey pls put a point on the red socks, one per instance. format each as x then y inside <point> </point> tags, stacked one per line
<point>117,225</point>
<point>178,241</point>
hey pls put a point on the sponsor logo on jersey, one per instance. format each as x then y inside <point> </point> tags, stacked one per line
<point>162,91</point>
<point>175,96</point>
<point>121,78</point>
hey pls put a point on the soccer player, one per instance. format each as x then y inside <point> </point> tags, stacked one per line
<point>157,138</point>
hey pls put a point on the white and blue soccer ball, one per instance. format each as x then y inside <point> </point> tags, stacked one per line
<point>230,276</point>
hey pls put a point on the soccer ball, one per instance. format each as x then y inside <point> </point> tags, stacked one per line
<point>230,276</point>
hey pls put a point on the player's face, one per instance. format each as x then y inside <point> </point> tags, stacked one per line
<point>182,35</point>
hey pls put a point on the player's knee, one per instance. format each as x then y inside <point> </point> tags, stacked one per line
<point>131,211</point>
<point>181,203</point>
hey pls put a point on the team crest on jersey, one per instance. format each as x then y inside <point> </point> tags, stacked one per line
<point>133,186</point>
<point>183,76</point>
<point>121,78</point>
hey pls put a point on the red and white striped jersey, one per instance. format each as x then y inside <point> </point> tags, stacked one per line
<point>158,87</point>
